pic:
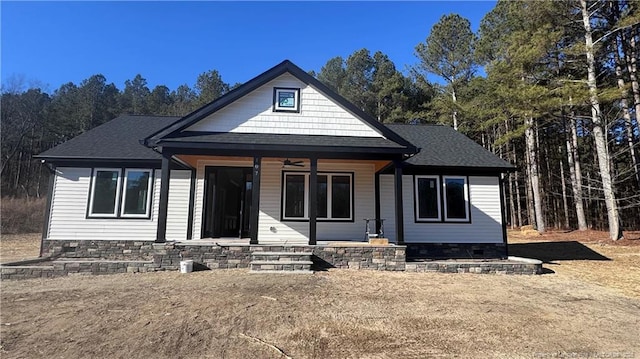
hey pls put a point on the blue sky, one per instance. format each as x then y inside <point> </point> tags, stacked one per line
<point>170,43</point>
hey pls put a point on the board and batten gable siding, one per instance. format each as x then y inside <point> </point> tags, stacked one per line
<point>68,215</point>
<point>486,214</point>
<point>273,231</point>
<point>254,113</point>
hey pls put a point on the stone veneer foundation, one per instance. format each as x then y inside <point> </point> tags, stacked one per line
<point>64,257</point>
<point>456,250</point>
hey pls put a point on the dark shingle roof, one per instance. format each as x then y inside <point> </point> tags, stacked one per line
<point>119,139</point>
<point>442,146</point>
<point>116,139</point>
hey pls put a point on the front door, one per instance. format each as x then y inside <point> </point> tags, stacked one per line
<point>227,202</point>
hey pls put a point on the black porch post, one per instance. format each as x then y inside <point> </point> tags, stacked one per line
<point>399,209</point>
<point>255,200</point>
<point>313,199</point>
<point>161,233</point>
<point>503,213</point>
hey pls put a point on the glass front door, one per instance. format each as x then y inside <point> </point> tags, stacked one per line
<point>227,202</point>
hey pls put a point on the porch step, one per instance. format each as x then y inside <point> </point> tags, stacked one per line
<point>280,262</point>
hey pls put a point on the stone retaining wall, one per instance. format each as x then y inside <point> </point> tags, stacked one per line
<point>118,250</point>
<point>91,256</point>
<point>456,250</point>
<point>103,257</point>
<point>47,268</point>
<point>506,267</point>
<point>390,258</point>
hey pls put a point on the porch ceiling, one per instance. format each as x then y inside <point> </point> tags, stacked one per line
<point>192,160</point>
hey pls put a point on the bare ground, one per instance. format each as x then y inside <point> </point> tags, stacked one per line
<point>335,314</point>
<point>589,256</point>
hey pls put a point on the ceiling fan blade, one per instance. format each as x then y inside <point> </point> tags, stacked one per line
<point>288,162</point>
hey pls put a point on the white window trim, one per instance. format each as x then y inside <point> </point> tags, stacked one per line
<point>466,198</point>
<point>329,176</point>
<point>296,100</point>
<point>124,193</point>
<point>92,193</point>
<point>438,199</point>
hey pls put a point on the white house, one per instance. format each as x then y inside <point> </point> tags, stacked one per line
<point>280,160</point>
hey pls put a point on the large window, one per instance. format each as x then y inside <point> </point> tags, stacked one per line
<point>428,198</point>
<point>334,201</point>
<point>456,206</point>
<point>443,198</point>
<point>137,186</point>
<point>104,192</point>
<point>113,195</point>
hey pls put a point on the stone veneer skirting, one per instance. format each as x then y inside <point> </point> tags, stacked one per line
<point>456,250</point>
<point>63,257</point>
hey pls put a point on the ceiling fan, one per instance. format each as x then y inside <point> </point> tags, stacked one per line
<point>289,163</point>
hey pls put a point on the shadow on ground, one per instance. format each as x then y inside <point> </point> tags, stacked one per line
<point>549,252</point>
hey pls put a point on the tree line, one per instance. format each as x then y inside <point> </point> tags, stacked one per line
<point>558,97</point>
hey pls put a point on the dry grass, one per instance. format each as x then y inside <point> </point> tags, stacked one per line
<point>588,256</point>
<point>15,247</point>
<point>335,314</point>
<point>339,314</point>
<point>21,215</point>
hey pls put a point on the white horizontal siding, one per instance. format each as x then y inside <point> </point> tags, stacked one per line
<point>178,207</point>
<point>388,206</point>
<point>253,113</point>
<point>69,208</point>
<point>270,228</point>
<point>486,217</point>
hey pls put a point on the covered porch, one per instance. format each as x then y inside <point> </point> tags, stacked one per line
<point>280,198</point>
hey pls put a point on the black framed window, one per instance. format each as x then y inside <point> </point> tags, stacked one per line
<point>441,198</point>
<point>334,201</point>
<point>295,192</point>
<point>456,206</point>
<point>428,198</point>
<point>341,197</point>
<point>323,190</point>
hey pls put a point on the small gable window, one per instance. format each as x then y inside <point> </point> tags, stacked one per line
<point>286,99</point>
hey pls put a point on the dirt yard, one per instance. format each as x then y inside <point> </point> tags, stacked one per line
<point>15,247</point>
<point>589,307</point>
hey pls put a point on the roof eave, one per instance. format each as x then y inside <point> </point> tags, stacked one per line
<point>462,168</point>
<point>283,147</point>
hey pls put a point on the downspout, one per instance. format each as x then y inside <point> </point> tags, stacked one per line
<point>503,214</point>
<point>47,211</point>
